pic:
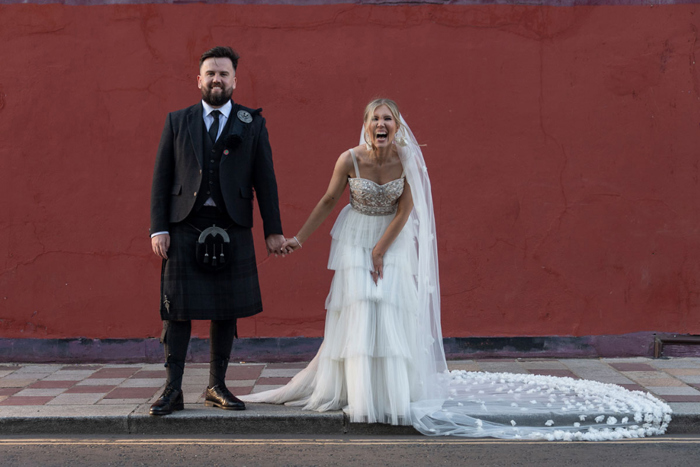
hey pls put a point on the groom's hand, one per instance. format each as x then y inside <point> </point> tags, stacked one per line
<point>160,245</point>
<point>274,244</point>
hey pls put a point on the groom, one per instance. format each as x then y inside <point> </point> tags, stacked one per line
<point>213,158</point>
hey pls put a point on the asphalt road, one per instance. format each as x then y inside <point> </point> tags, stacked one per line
<point>342,451</point>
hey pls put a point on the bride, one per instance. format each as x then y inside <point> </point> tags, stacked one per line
<point>382,359</point>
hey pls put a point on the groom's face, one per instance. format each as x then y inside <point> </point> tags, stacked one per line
<point>216,80</point>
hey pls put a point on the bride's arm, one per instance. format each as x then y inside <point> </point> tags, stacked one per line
<point>402,212</point>
<point>339,180</point>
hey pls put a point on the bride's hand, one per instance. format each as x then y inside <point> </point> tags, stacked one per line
<point>378,265</point>
<point>290,245</point>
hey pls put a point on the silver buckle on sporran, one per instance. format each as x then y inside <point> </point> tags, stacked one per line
<point>213,249</point>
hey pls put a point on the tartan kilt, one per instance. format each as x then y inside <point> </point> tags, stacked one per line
<point>189,292</point>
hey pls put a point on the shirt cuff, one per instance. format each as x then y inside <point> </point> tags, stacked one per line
<point>165,232</point>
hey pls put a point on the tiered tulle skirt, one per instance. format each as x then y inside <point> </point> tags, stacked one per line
<point>365,364</point>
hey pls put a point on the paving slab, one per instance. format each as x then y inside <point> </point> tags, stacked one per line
<point>69,399</point>
<point>75,399</point>
<point>695,379</point>
<point>607,378</point>
<point>264,387</point>
<point>682,371</point>
<point>142,383</point>
<point>673,390</point>
<point>101,382</point>
<point>502,367</point>
<point>674,363</point>
<point>15,383</point>
<point>660,382</point>
<point>40,392</point>
<point>464,366</point>
<point>34,368</point>
<point>282,372</point>
<point>543,365</point>
<point>19,375</point>
<point>43,384</point>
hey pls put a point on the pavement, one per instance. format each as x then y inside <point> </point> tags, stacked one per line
<point>72,399</point>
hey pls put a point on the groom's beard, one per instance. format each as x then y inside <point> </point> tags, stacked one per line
<point>216,96</point>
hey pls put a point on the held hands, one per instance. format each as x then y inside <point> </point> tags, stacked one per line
<point>291,244</point>
<point>274,244</point>
<point>160,245</point>
<point>378,265</point>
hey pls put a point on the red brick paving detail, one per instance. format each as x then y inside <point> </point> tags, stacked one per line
<point>9,368</point>
<point>114,373</point>
<point>81,367</point>
<point>244,372</point>
<point>274,381</point>
<point>240,391</point>
<point>284,366</point>
<point>51,384</point>
<point>9,391</point>
<point>26,400</point>
<point>634,387</point>
<point>695,385</point>
<point>150,374</point>
<point>89,390</point>
<point>632,367</point>
<point>554,372</point>
<point>132,393</point>
<point>680,398</point>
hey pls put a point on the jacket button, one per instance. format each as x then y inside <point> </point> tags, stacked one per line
<point>211,160</point>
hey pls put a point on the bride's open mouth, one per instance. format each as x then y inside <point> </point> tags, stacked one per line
<point>381,136</point>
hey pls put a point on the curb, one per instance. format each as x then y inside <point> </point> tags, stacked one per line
<point>260,419</point>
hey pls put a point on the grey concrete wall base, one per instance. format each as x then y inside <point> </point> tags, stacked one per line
<point>299,349</point>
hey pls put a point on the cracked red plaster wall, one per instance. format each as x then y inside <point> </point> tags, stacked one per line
<point>562,145</point>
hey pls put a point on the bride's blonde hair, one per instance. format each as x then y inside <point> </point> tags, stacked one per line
<point>369,111</point>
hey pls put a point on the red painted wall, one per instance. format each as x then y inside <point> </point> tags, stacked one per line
<point>562,145</point>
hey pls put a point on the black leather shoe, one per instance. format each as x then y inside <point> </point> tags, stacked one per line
<point>170,400</point>
<point>219,396</point>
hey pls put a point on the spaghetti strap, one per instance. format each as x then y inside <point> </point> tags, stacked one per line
<point>354,161</point>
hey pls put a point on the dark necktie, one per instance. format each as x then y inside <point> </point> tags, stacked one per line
<point>214,128</point>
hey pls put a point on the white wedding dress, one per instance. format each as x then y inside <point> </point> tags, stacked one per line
<point>382,360</point>
<point>365,364</point>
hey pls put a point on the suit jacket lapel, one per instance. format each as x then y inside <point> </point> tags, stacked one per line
<point>195,123</point>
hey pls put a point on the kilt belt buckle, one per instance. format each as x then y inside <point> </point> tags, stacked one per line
<point>213,245</point>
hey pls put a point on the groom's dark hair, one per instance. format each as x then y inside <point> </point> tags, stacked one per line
<point>221,52</point>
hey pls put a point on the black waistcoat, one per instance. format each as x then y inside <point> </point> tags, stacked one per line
<point>211,184</point>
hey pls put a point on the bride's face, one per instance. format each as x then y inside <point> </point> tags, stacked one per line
<point>381,127</point>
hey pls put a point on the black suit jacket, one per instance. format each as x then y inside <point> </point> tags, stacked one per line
<point>246,167</point>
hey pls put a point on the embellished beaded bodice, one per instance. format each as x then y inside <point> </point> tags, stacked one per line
<point>371,198</point>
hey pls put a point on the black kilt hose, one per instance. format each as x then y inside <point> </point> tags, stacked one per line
<point>190,292</point>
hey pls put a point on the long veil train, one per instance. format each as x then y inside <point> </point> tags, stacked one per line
<point>504,405</point>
